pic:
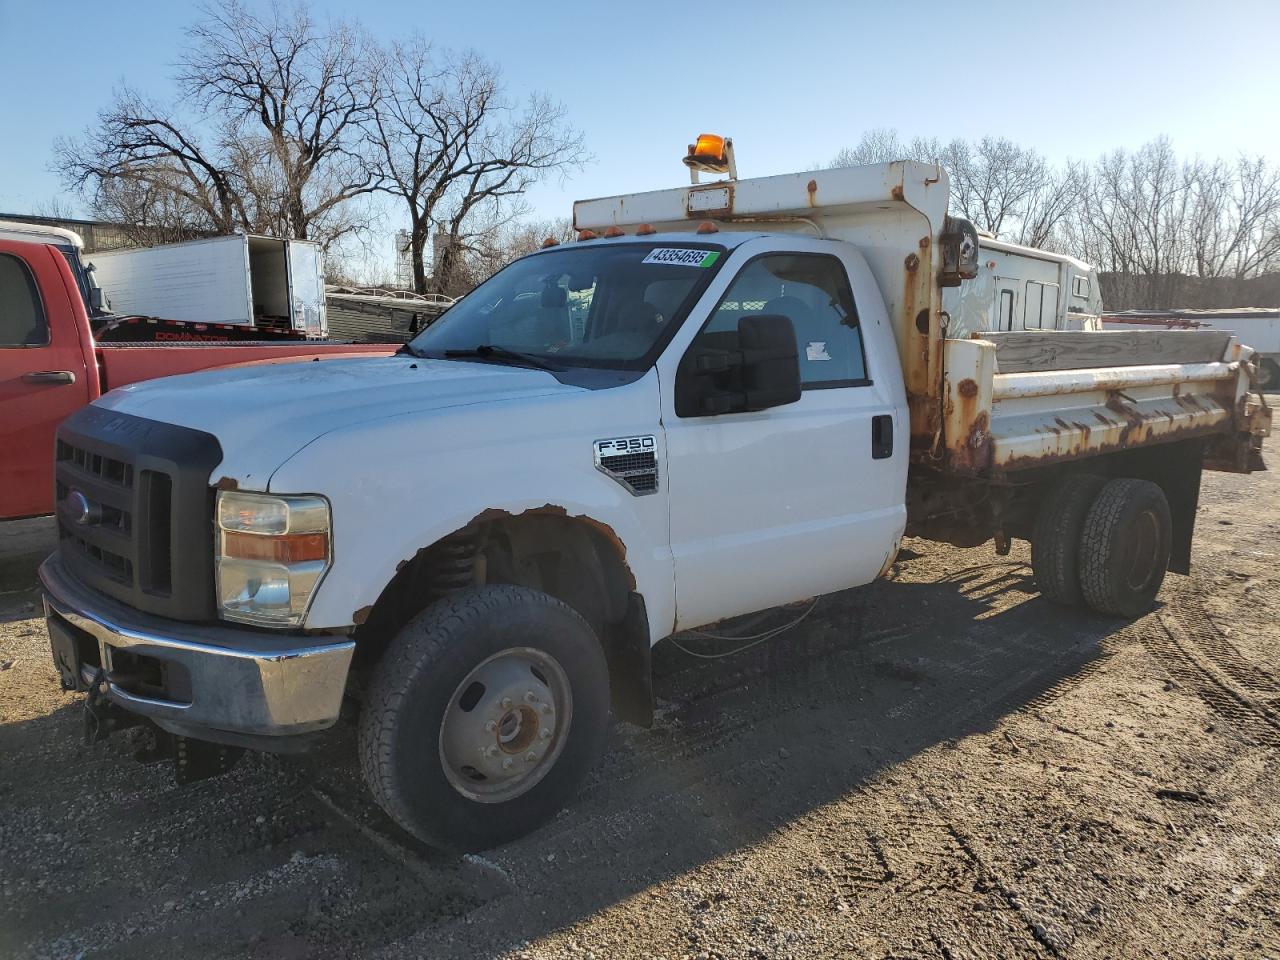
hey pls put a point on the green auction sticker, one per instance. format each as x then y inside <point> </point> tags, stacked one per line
<point>682,256</point>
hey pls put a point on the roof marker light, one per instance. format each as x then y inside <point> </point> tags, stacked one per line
<point>614,232</point>
<point>587,235</point>
<point>706,226</point>
<point>645,230</point>
<point>550,242</point>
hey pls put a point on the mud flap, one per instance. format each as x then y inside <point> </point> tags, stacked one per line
<point>196,760</point>
<point>630,673</point>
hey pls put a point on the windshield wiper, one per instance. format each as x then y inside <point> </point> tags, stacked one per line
<point>408,348</point>
<point>487,351</point>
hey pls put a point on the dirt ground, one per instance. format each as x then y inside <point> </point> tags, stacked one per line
<point>938,765</point>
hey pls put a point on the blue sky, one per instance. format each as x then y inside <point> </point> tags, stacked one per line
<point>791,82</point>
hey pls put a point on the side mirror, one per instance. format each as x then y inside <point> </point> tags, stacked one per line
<point>97,300</point>
<point>763,372</point>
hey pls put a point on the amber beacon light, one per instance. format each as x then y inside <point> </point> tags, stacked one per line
<point>711,154</point>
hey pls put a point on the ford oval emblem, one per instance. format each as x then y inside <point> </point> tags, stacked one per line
<point>79,508</point>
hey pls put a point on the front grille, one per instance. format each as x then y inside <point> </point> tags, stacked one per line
<point>134,510</point>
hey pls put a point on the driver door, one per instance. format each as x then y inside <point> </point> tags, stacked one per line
<point>777,505</point>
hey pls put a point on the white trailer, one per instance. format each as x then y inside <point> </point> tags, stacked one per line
<point>241,280</point>
<point>1024,288</point>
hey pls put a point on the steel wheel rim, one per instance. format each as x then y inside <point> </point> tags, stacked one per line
<point>505,725</point>
<point>1143,550</point>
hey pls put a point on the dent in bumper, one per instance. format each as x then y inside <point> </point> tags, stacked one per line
<point>241,681</point>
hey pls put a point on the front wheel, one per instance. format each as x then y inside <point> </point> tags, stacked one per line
<point>483,716</point>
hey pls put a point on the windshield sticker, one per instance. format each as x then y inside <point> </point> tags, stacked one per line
<point>682,256</point>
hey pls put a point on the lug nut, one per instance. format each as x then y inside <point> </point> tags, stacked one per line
<point>546,708</point>
<point>491,726</point>
<point>508,763</point>
<point>530,757</point>
<point>546,733</point>
<point>506,703</point>
<point>488,751</point>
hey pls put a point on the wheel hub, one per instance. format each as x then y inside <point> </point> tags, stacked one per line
<point>505,724</point>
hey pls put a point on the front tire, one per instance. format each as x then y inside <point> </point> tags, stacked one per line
<point>483,716</point>
<point>1124,549</point>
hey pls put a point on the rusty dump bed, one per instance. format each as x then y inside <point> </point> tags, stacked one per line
<point>1016,401</point>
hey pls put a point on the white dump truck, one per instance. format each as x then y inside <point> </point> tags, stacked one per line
<point>722,397</point>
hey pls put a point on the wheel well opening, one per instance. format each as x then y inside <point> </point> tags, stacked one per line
<point>576,560</point>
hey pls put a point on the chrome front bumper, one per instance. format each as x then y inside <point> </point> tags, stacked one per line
<point>251,683</point>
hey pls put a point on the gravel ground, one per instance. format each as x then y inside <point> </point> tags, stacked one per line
<point>937,765</point>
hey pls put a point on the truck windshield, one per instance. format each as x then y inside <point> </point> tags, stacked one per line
<point>597,305</point>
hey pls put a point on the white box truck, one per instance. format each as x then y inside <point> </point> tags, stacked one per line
<point>723,397</point>
<point>260,283</point>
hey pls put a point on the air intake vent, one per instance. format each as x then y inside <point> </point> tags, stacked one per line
<point>632,461</point>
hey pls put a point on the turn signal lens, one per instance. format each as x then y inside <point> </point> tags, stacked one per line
<point>287,548</point>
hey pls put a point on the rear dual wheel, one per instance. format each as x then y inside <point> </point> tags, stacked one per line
<point>1103,542</point>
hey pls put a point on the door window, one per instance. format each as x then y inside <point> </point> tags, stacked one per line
<point>1049,306</point>
<point>22,321</point>
<point>1031,305</point>
<point>1005,320</point>
<point>813,292</point>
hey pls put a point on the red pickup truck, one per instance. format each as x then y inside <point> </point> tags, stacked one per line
<point>50,366</point>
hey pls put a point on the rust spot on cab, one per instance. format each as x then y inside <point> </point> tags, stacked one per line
<point>227,483</point>
<point>555,510</point>
<point>896,193</point>
<point>968,387</point>
<point>812,188</point>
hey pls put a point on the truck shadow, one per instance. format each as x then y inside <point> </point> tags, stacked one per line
<point>25,545</point>
<point>288,855</point>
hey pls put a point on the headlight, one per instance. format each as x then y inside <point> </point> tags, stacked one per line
<point>271,553</point>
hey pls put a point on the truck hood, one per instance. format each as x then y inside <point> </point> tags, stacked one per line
<point>262,415</point>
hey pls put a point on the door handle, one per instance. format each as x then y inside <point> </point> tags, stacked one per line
<point>881,436</point>
<point>49,376</point>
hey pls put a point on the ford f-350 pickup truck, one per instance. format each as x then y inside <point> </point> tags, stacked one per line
<point>720,398</point>
<point>51,365</point>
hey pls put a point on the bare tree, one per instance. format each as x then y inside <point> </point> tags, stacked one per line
<point>1049,204</point>
<point>491,250</point>
<point>1000,186</point>
<point>458,153</point>
<point>274,146</point>
<point>993,181</point>
<point>294,97</point>
<point>142,144</point>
